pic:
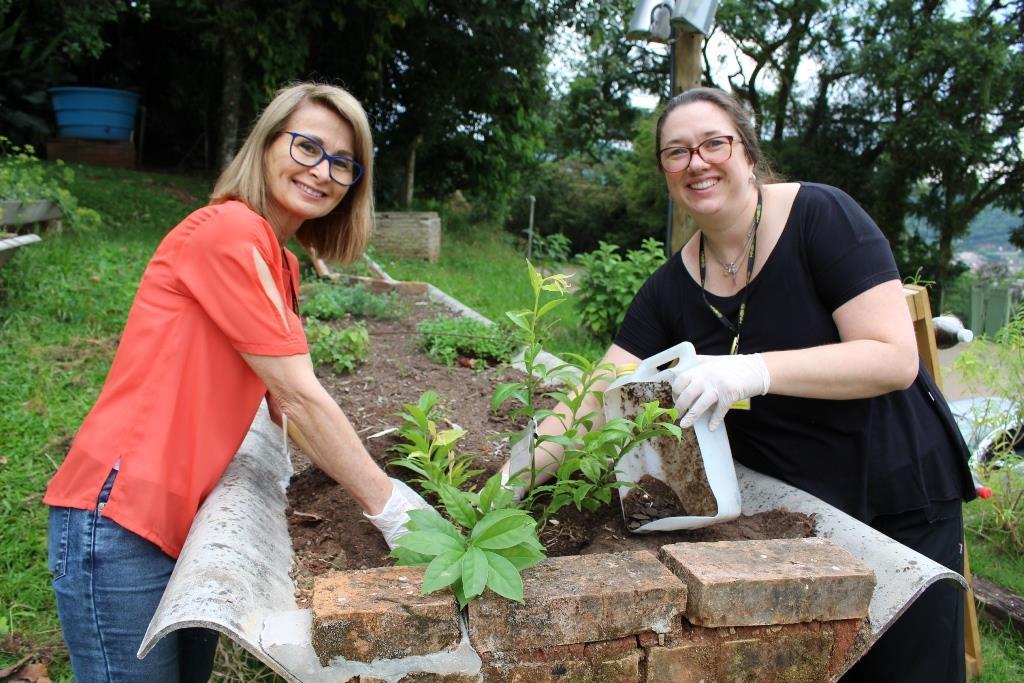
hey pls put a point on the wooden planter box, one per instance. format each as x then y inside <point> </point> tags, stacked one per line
<point>408,234</point>
<point>18,216</point>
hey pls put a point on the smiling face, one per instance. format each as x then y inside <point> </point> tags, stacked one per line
<point>704,189</point>
<point>298,193</point>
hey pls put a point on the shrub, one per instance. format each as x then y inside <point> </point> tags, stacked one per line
<point>553,248</point>
<point>999,366</point>
<point>609,282</point>
<point>331,302</point>
<point>342,349</point>
<point>23,177</point>
<point>445,339</point>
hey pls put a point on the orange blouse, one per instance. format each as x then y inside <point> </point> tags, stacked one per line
<point>179,398</point>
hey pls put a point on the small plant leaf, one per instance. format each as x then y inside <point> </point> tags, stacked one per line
<point>521,556</point>
<point>503,577</point>
<point>502,529</point>
<point>429,520</point>
<point>457,505</point>
<point>407,558</point>
<point>474,572</point>
<point>429,543</point>
<point>443,571</point>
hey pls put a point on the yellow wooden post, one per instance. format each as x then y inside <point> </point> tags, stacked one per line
<point>921,314</point>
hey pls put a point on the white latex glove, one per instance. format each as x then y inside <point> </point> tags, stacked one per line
<point>718,381</point>
<point>391,520</point>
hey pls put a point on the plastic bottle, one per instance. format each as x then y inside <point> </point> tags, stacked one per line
<point>949,331</point>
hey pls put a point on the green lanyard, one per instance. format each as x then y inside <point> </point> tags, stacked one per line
<point>735,329</point>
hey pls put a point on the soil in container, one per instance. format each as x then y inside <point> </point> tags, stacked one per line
<point>327,528</point>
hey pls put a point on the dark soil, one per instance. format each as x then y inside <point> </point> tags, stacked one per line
<point>327,528</point>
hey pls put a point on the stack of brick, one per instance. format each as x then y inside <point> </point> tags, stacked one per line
<point>780,610</point>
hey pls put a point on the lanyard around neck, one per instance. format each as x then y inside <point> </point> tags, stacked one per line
<point>752,250</point>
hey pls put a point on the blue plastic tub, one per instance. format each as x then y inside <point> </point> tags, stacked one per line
<point>94,113</point>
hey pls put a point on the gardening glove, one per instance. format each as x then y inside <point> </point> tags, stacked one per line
<point>718,381</point>
<point>391,520</point>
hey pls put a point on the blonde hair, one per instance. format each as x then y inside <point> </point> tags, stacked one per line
<point>341,235</point>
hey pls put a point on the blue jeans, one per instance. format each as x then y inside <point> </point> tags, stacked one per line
<point>108,582</point>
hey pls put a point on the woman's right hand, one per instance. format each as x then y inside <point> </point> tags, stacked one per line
<point>392,519</point>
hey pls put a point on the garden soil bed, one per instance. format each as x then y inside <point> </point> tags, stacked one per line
<point>327,528</point>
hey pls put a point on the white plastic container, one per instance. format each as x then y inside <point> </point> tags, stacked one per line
<point>671,462</point>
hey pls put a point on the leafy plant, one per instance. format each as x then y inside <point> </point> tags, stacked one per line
<point>500,535</point>
<point>428,452</point>
<point>608,283</point>
<point>343,349</point>
<point>585,476</point>
<point>23,177</point>
<point>496,543</point>
<point>999,366</point>
<point>445,339</point>
<point>553,247</point>
<point>331,302</point>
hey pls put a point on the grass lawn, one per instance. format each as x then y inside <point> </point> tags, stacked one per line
<point>62,305</point>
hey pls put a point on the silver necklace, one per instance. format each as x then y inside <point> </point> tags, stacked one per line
<point>733,266</point>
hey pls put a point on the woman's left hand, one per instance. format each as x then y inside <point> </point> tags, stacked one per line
<point>718,381</point>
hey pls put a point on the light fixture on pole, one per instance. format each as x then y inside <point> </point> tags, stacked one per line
<point>652,21</point>
<point>683,25</point>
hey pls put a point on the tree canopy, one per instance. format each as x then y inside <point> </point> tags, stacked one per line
<point>914,107</point>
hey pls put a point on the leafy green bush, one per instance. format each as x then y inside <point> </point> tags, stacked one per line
<point>553,248</point>
<point>331,302</point>
<point>428,452</point>
<point>445,339</point>
<point>502,542</point>
<point>23,177</point>
<point>609,282</point>
<point>585,476</point>
<point>342,349</point>
<point>999,367</point>
<point>502,533</point>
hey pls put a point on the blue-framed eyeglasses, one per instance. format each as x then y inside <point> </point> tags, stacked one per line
<point>309,152</point>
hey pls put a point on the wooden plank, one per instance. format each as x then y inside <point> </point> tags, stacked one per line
<point>924,330</point>
<point>1000,606</point>
<point>972,637</point>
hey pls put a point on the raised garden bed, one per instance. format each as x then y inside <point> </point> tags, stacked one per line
<point>18,216</point>
<point>605,607</point>
<point>703,604</point>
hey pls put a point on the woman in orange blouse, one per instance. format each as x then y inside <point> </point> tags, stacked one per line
<point>213,329</point>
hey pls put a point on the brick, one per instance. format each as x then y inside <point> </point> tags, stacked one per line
<point>800,657</point>
<point>610,648</point>
<point>781,581</point>
<point>514,668</point>
<point>685,663</point>
<point>379,613</point>
<point>424,677</point>
<point>580,599</point>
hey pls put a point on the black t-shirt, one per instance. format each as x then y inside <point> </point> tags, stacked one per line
<point>867,457</point>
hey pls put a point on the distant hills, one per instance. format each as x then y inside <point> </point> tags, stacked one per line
<point>989,238</point>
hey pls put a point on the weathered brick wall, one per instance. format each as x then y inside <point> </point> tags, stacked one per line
<point>783,610</point>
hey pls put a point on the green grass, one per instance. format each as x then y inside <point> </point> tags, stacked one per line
<point>1002,655</point>
<point>62,305</point>
<point>63,302</point>
<point>483,270</point>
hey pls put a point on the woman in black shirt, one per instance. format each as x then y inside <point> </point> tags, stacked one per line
<point>791,296</point>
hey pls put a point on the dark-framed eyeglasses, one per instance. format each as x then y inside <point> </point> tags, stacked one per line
<point>713,150</point>
<point>309,152</point>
